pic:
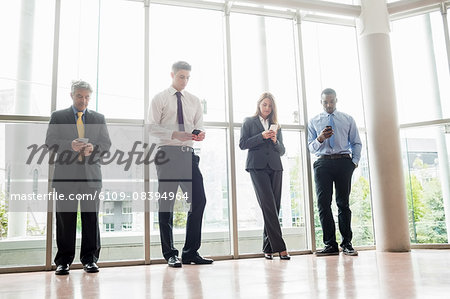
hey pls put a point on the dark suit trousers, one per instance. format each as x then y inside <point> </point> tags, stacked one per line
<point>339,171</point>
<point>267,185</point>
<point>182,170</point>
<point>66,223</point>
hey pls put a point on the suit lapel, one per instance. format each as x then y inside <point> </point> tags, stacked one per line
<point>87,121</point>
<point>70,117</point>
<point>259,124</point>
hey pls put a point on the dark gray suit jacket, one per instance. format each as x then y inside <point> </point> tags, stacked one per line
<point>261,152</point>
<point>61,132</point>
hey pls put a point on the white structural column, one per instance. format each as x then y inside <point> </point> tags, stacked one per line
<point>17,220</point>
<point>388,187</point>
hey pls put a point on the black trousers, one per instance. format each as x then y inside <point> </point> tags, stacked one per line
<point>339,172</point>
<point>182,171</point>
<point>66,223</point>
<point>267,185</point>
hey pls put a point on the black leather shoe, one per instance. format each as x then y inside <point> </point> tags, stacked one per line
<point>62,269</point>
<point>328,250</point>
<point>268,256</point>
<point>285,257</point>
<point>197,260</point>
<point>90,267</point>
<point>174,261</point>
<point>348,249</point>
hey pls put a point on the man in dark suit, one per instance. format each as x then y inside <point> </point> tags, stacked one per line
<point>79,137</point>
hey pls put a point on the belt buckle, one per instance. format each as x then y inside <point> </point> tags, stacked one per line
<point>185,149</point>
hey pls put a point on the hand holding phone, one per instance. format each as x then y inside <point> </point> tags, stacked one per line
<point>198,135</point>
<point>79,143</point>
<point>326,133</point>
<point>82,140</point>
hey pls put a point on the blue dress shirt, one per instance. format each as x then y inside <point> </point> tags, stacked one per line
<point>346,136</point>
<point>75,111</point>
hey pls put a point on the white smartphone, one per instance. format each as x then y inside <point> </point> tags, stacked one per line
<point>273,127</point>
<point>83,140</point>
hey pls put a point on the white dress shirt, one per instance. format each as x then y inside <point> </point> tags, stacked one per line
<point>162,116</point>
<point>264,122</point>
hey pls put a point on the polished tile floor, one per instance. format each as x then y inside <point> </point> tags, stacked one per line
<point>417,274</point>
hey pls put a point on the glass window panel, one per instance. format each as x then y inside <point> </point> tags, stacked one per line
<point>122,233</point>
<point>420,59</point>
<point>96,47</point>
<point>121,59</point>
<point>78,48</point>
<point>23,222</point>
<point>426,168</point>
<point>26,31</point>
<point>263,59</point>
<point>178,33</point>
<point>292,212</point>
<point>213,165</point>
<point>331,60</point>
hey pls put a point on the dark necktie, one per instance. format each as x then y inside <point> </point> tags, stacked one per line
<point>180,112</point>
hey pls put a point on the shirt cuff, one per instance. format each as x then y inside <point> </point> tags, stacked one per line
<point>316,144</point>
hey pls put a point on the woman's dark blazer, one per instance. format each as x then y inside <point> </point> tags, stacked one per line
<point>261,152</point>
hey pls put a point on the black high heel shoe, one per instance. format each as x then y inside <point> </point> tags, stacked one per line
<point>285,257</point>
<point>268,256</point>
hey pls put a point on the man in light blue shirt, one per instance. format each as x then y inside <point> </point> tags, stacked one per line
<point>334,138</point>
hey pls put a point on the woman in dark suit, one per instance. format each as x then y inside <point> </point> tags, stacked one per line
<point>265,147</point>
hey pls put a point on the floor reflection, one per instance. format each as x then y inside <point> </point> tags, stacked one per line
<point>416,274</point>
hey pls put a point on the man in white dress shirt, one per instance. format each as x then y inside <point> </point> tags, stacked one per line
<point>176,119</point>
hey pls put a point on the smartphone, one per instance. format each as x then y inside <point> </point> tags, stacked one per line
<point>273,127</point>
<point>196,132</point>
<point>82,140</point>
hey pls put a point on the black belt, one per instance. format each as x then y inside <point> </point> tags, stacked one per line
<point>335,156</point>
<point>183,148</point>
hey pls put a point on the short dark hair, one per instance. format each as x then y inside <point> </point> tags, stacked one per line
<point>181,65</point>
<point>328,91</point>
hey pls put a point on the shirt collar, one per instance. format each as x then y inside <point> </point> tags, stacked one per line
<point>262,119</point>
<point>75,110</point>
<point>173,91</point>
<point>326,114</point>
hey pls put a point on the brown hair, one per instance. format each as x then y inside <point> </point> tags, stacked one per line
<point>273,115</point>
